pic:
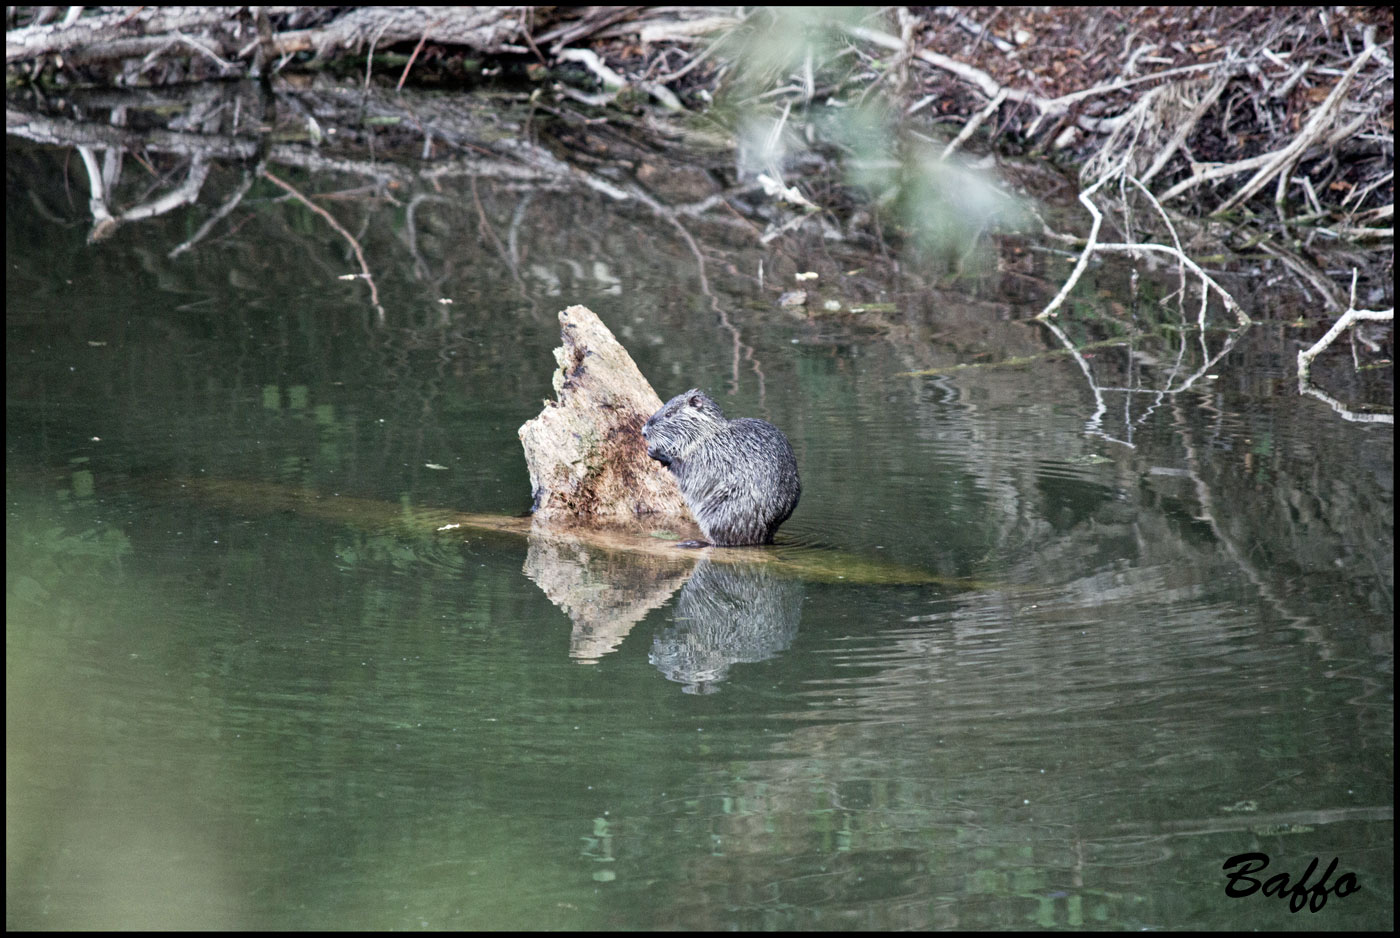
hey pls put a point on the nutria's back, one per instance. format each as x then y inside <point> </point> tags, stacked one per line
<point>738,477</point>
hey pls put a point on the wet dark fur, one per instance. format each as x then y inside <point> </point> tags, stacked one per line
<point>738,477</point>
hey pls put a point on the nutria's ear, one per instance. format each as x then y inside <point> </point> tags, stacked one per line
<point>693,399</point>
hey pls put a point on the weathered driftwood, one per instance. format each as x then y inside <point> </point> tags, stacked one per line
<point>587,460</point>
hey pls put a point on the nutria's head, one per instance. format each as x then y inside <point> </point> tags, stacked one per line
<point>681,423</point>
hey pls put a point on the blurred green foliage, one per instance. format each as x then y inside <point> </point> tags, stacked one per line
<point>799,83</point>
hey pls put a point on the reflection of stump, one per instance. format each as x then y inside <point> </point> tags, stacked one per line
<point>604,592</point>
<point>587,460</point>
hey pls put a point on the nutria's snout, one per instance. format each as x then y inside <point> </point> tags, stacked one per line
<point>653,448</point>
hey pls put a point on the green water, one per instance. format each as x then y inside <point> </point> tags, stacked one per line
<point>222,713</point>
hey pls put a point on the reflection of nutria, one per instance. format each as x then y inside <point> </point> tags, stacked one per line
<point>738,477</point>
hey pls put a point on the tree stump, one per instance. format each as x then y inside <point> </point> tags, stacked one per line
<point>588,462</point>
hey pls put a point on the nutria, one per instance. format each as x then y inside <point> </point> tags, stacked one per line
<point>738,477</point>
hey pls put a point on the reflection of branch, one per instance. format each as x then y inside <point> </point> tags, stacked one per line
<point>1101,406</point>
<point>1342,410</point>
<point>222,212</point>
<point>1309,275</point>
<point>1214,826</point>
<point>1241,556</point>
<point>1094,425</point>
<point>102,180</point>
<point>330,220</point>
<point>740,347</point>
<point>1018,361</point>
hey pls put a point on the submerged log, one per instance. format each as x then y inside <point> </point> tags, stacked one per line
<point>813,564</point>
<point>587,460</point>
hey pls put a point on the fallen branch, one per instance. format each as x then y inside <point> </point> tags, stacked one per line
<point>1093,244</point>
<point>1205,104</point>
<point>1306,356</point>
<point>1281,160</point>
<point>971,126</point>
<point>991,88</point>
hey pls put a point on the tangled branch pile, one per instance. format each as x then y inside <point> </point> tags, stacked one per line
<point>1224,106</point>
<point>1216,103</point>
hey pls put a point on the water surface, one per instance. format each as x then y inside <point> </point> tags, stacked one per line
<point>1145,645</point>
